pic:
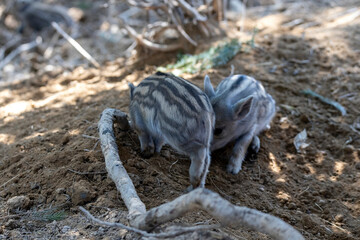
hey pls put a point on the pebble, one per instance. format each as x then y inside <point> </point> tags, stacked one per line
<point>339,217</point>
<point>60,191</point>
<point>292,206</point>
<point>166,154</point>
<point>12,224</point>
<point>82,193</point>
<point>65,229</point>
<point>357,166</point>
<point>18,202</point>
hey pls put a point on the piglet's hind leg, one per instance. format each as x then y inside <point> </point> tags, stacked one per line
<point>239,151</point>
<point>200,162</point>
<point>255,144</point>
<point>147,145</point>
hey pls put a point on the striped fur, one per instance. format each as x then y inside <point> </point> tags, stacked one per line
<point>168,109</point>
<point>243,109</point>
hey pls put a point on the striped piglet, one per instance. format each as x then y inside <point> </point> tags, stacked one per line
<point>243,109</point>
<point>166,109</point>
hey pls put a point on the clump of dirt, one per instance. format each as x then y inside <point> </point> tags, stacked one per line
<point>50,152</point>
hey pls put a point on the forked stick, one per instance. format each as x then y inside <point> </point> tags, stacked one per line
<point>226,213</point>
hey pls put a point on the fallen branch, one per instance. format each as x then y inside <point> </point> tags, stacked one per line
<point>222,210</point>
<point>75,44</point>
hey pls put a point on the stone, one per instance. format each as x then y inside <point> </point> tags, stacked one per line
<point>82,193</point>
<point>18,203</point>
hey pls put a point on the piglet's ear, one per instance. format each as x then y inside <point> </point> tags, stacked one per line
<point>208,88</point>
<point>131,87</point>
<point>242,108</point>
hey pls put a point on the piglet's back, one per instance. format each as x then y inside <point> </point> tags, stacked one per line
<point>176,109</point>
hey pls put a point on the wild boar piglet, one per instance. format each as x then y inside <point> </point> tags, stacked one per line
<point>166,109</point>
<point>243,109</point>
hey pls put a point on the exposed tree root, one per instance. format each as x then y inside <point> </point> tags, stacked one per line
<point>226,213</point>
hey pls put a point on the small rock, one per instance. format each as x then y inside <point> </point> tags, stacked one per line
<point>65,139</point>
<point>122,233</point>
<point>77,14</point>
<point>12,224</point>
<point>34,185</point>
<point>292,206</point>
<point>166,154</point>
<point>18,202</point>
<point>349,149</point>
<point>101,230</point>
<point>141,165</point>
<point>60,191</point>
<point>81,192</point>
<point>357,166</point>
<point>307,221</point>
<point>131,162</point>
<point>65,229</point>
<point>339,217</point>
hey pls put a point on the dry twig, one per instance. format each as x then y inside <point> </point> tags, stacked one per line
<point>86,173</point>
<point>75,44</point>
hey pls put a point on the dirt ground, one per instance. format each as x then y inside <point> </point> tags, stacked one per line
<point>49,150</point>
